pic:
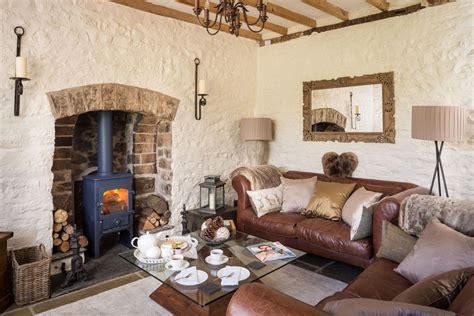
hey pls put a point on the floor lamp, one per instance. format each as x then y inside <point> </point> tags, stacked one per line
<point>439,124</point>
<point>257,129</point>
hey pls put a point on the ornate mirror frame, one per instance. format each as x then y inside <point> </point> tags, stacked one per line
<point>388,134</point>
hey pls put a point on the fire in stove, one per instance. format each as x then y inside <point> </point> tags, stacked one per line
<point>115,200</point>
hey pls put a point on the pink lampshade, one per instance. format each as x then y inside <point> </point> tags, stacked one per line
<point>256,129</point>
<point>438,123</point>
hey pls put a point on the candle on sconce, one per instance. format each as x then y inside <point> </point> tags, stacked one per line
<point>202,87</point>
<point>20,67</point>
<point>357,110</point>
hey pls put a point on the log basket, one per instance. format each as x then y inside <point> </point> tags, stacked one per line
<point>31,268</point>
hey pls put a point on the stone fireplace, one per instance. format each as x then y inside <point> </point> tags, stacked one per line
<point>141,145</point>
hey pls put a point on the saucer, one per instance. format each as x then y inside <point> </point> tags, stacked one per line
<point>223,260</point>
<point>169,267</point>
<point>201,277</point>
<point>244,273</point>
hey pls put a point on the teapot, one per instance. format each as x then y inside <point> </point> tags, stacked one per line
<point>145,242</point>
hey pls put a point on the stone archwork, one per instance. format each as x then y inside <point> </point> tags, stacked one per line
<point>111,96</point>
<point>328,115</point>
<point>149,137</point>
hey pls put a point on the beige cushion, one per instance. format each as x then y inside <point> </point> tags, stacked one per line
<point>267,200</point>
<point>437,291</point>
<point>439,249</point>
<point>366,306</point>
<point>328,199</point>
<point>297,193</point>
<point>354,204</point>
<point>362,223</point>
<point>396,244</point>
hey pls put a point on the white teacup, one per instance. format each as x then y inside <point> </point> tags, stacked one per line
<point>167,252</point>
<point>176,261</point>
<point>216,255</point>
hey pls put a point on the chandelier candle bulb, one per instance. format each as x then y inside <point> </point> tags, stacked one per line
<point>20,67</point>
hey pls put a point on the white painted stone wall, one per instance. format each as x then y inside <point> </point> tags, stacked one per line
<point>71,43</point>
<point>431,54</point>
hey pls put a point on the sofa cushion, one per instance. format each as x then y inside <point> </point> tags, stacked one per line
<point>333,235</point>
<point>396,244</point>
<point>297,193</point>
<point>267,200</point>
<point>276,223</point>
<point>426,259</point>
<point>464,303</point>
<point>437,291</point>
<point>379,281</point>
<point>364,306</point>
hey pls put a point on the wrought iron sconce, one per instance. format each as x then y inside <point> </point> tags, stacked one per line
<point>20,70</point>
<point>199,91</point>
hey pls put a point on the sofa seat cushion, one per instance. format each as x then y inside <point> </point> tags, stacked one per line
<point>333,235</point>
<point>276,223</point>
<point>379,281</point>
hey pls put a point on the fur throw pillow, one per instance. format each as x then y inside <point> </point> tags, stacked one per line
<point>343,165</point>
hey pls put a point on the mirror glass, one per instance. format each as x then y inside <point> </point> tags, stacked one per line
<point>352,109</point>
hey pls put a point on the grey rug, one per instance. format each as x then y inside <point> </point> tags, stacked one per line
<point>132,298</point>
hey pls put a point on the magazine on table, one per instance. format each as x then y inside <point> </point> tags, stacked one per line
<point>270,251</point>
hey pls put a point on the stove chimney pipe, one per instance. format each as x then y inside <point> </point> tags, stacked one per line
<point>104,143</point>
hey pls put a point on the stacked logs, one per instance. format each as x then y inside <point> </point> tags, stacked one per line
<point>152,215</point>
<point>62,232</point>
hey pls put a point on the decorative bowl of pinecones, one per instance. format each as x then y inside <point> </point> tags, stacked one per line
<point>213,231</point>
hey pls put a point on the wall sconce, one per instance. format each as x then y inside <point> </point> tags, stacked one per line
<point>200,89</point>
<point>20,70</point>
<point>357,113</point>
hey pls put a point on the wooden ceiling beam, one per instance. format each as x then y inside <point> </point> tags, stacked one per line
<point>285,13</point>
<point>329,8</point>
<point>382,5</point>
<point>268,25</point>
<point>178,15</point>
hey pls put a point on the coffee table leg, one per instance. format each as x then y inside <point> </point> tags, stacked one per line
<point>179,304</point>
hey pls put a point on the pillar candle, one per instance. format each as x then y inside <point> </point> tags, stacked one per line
<point>20,67</point>
<point>212,200</point>
<point>357,109</point>
<point>202,89</point>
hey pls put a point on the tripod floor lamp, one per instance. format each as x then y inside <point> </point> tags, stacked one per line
<point>439,124</point>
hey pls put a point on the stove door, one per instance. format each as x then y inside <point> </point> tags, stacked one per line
<point>115,201</point>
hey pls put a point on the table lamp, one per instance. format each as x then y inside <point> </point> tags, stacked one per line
<point>256,129</point>
<point>438,124</point>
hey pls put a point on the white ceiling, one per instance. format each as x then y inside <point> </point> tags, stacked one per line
<point>356,8</point>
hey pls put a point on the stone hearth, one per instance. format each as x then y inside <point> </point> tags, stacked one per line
<point>142,140</point>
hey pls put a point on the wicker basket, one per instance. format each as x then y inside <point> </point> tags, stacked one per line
<point>31,280</point>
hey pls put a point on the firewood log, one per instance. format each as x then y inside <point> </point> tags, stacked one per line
<point>163,221</point>
<point>144,224</point>
<point>167,215</point>
<point>152,220</point>
<point>55,235</point>
<point>157,203</point>
<point>60,215</point>
<point>57,227</point>
<point>64,223</point>
<point>64,247</point>
<point>146,211</point>
<point>83,241</point>
<point>64,236</point>
<point>69,229</point>
<point>57,242</point>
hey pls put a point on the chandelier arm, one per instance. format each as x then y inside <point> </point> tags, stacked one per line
<point>247,22</point>
<point>218,29</point>
<point>218,12</point>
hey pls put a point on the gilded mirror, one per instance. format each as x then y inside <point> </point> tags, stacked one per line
<point>350,109</point>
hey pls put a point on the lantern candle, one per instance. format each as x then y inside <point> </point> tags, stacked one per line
<point>212,199</point>
<point>20,67</point>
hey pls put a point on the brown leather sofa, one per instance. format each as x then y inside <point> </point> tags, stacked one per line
<point>378,281</point>
<point>318,236</point>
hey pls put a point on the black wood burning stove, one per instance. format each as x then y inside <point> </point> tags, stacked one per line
<point>108,196</point>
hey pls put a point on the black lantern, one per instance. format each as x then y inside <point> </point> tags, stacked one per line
<point>212,194</point>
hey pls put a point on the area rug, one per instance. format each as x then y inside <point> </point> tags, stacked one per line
<point>132,298</point>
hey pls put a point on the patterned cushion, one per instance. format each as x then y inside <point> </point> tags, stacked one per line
<point>267,200</point>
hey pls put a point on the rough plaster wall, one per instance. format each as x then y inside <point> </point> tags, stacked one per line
<point>73,43</point>
<point>431,54</point>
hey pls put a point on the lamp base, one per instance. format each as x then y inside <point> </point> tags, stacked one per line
<point>439,172</point>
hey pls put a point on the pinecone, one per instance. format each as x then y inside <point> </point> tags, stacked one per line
<point>209,233</point>
<point>212,226</point>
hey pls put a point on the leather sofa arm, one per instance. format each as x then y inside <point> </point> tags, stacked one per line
<point>241,185</point>
<point>388,210</point>
<point>257,299</point>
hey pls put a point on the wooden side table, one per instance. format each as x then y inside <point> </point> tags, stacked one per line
<point>195,217</point>
<point>6,297</point>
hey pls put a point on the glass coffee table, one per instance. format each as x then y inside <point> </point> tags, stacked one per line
<point>191,300</point>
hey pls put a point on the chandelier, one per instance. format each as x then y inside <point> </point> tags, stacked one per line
<point>231,11</point>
